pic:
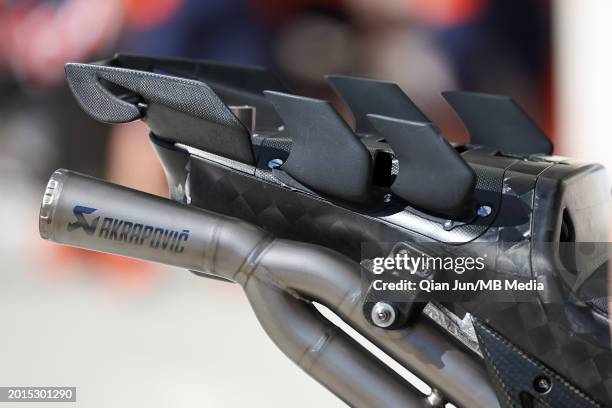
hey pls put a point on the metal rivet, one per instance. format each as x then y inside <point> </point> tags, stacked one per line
<point>387,198</point>
<point>542,384</point>
<point>448,224</point>
<point>484,211</point>
<point>383,314</point>
<point>275,163</point>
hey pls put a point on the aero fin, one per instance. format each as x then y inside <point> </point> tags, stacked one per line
<point>498,121</point>
<point>236,84</point>
<point>432,175</point>
<point>325,155</point>
<point>175,109</point>
<point>364,96</point>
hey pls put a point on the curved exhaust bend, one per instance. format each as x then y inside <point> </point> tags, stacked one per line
<point>277,280</point>
<point>325,352</point>
<point>334,281</point>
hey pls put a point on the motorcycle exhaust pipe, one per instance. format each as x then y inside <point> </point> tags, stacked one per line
<point>82,211</point>
<point>85,212</point>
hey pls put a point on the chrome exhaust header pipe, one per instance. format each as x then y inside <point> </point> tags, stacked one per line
<point>85,212</point>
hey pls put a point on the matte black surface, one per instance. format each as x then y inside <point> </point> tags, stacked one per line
<point>326,155</point>
<point>364,96</point>
<point>498,121</point>
<point>432,175</point>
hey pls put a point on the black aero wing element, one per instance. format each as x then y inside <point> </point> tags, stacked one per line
<point>177,109</point>
<point>247,77</point>
<point>235,84</point>
<point>498,121</point>
<point>325,155</point>
<point>363,96</point>
<point>432,175</point>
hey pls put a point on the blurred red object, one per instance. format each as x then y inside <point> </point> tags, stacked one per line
<point>38,38</point>
<point>448,12</point>
<point>114,271</point>
<point>145,14</point>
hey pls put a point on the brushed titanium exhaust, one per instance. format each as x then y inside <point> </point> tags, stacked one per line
<point>281,279</point>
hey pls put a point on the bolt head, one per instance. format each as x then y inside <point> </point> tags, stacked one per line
<point>275,163</point>
<point>484,211</point>
<point>542,384</point>
<point>383,314</point>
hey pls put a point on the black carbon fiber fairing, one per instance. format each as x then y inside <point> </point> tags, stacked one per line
<point>567,338</point>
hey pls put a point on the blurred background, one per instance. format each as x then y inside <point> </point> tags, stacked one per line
<point>133,334</point>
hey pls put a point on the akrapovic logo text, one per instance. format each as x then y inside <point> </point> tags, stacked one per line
<point>129,232</point>
<point>81,222</point>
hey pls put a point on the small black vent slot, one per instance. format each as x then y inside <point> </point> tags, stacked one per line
<point>383,162</point>
<point>567,244</point>
<point>567,228</point>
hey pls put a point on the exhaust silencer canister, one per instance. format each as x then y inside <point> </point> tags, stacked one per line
<point>85,212</point>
